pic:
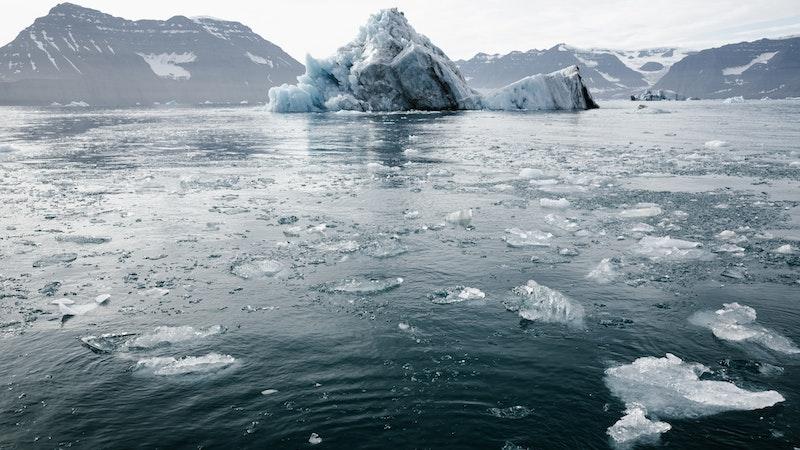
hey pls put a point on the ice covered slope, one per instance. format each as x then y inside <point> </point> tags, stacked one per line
<point>76,54</point>
<point>764,68</point>
<point>391,67</point>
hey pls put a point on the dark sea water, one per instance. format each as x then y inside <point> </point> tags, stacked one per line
<point>213,218</point>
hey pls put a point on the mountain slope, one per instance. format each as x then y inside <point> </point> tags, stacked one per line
<point>764,68</point>
<point>80,54</point>
<point>603,72</point>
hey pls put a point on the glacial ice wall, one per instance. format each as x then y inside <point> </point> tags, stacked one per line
<point>391,67</point>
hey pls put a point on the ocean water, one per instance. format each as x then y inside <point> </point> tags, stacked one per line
<point>245,279</point>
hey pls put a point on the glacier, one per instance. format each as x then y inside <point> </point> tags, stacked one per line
<point>391,67</point>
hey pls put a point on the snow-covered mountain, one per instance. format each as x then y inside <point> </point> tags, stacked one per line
<point>607,73</point>
<point>764,68</point>
<point>391,67</point>
<point>76,54</point>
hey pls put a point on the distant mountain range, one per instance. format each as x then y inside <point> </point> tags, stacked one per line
<point>76,54</point>
<point>764,68</point>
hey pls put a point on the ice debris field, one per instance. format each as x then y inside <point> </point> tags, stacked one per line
<point>234,277</point>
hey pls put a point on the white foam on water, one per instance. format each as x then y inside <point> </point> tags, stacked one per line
<point>737,323</point>
<point>512,412</point>
<point>165,335</point>
<point>539,303</point>
<point>187,365</point>
<point>667,387</point>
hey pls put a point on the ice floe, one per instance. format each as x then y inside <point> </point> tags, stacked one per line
<point>539,303</point>
<point>461,218</point>
<point>667,248</point>
<point>456,295</point>
<point>68,307</point>
<point>737,323</point>
<point>533,238</point>
<point>187,365</point>
<point>253,268</point>
<point>716,144</point>
<point>59,258</point>
<point>669,388</point>
<point>604,273</point>
<point>362,286</point>
<point>561,203</point>
<point>165,335</point>
<point>641,210</point>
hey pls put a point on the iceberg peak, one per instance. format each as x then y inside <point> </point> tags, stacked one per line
<point>391,67</point>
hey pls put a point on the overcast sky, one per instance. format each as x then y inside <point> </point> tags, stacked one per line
<point>464,27</point>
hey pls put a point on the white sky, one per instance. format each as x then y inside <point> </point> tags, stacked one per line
<point>465,27</point>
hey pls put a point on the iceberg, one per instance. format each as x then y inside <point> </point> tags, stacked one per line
<point>391,67</point>
<point>737,323</point>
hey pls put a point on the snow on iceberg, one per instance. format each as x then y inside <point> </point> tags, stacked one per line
<point>391,67</point>
<point>669,388</point>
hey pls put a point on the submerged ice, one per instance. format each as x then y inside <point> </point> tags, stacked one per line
<point>737,323</point>
<point>391,67</point>
<point>536,302</point>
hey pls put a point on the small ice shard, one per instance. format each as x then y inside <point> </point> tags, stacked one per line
<point>642,210</point>
<point>102,298</point>
<point>534,174</point>
<point>729,248</point>
<point>521,238</point>
<point>642,228</point>
<point>737,323</point>
<point>411,214</point>
<point>269,391</point>
<point>732,100</point>
<point>78,239</point>
<point>318,229</point>
<point>314,439</point>
<point>604,273</point>
<point>292,231</point>
<point>58,258</point>
<point>461,218</point>
<point>730,236</point>
<point>561,203</point>
<point>668,388</point>
<point>561,223</point>
<point>536,302</point>
<point>68,307</point>
<point>512,412</point>
<point>362,286</point>
<point>635,426</point>
<point>786,249</point>
<point>165,335</point>
<point>716,144</point>
<point>257,267</point>
<point>456,294</point>
<point>156,292</point>
<point>669,249</point>
<point>403,326</point>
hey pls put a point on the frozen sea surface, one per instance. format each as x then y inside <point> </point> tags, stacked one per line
<point>244,252</point>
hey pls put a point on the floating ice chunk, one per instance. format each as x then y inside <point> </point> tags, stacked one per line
<point>292,231</point>
<point>156,292</point>
<point>165,335</point>
<point>314,439</point>
<point>187,365</point>
<point>560,203</point>
<point>535,302</point>
<point>669,249</point>
<point>250,268</point>
<point>735,322</point>
<point>731,100</point>
<point>456,295</point>
<point>55,259</point>
<point>385,248</point>
<point>604,273</point>
<point>642,228</point>
<point>786,249</point>
<point>461,218</point>
<point>269,391</point>
<point>318,229</point>
<point>107,342</point>
<point>403,326</point>
<point>535,174</point>
<point>716,144</point>
<point>521,238</point>
<point>69,308</point>
<point>562,89</point>
<point>362,286</point>
<point>561,222</point>
<point>731,236</point>
<point>635,426</point>
<point>643,210</point>
<point>346,246</point>
<point>729,248</point>
<point>411,214</point>
<point>8,148</point>
<point>102,298</point>
<point>512,412</point>
<point>670,388</point>
<point>77,239</point>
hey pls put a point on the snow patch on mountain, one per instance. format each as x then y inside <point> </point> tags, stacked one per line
<point>166,65</point>
<point>760,59</point>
